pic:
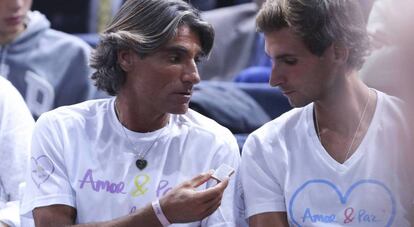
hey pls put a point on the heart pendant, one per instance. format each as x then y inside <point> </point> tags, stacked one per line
<point>141,163</point>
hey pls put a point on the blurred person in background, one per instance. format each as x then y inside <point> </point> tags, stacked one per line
<point>49,68</point>
<point>390,67</point>
<point>237,45</point>
<point>16,125</point>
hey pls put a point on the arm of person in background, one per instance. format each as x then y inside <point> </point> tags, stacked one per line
<point>183,204</point>
<point>10,214</point>
<point>16,125</point>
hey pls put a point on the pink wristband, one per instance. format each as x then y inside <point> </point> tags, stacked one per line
<point>160,215</point>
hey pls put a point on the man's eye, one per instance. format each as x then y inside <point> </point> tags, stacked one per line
<point>287,61</point>
<point>291,61</point>
<point>174,59</point>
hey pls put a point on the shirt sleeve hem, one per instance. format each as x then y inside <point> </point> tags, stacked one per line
<point>264,208</point>
<point>27,207</point>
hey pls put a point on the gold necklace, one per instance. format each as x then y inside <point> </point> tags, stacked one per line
<point>141,162</point>
<point>356,131</point>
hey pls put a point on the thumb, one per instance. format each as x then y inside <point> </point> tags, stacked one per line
<point>201,179</point>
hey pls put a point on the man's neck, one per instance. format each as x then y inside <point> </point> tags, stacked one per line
<point>138,119</point>
<point>343,118</point>
<point>341,109</point>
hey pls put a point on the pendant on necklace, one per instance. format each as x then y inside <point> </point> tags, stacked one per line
<point>141,163</point>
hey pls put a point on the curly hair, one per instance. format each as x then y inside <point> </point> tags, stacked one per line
<point>143,26</point>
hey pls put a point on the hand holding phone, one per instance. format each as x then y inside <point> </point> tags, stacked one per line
<point>222,172</point>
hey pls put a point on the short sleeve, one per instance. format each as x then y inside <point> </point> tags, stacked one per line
<point>226,153</point>
<point>47,181</point>
<point>262,189</point>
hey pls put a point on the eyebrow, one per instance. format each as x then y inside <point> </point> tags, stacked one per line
<point>180,49</point>
<point>283,56</point>
<point>280,56</point>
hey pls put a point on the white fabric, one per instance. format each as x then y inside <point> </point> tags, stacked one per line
<point>16,125</point>
<point>286,169</point>
<point>82,158</point>
<point>10,214</point>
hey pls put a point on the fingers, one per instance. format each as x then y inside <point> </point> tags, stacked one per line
<point>212,206</point>
<point>213,201</point>
<point>208,207</point>
<point>212,192</point>
<point>185,204</point>
<point>201,179</point>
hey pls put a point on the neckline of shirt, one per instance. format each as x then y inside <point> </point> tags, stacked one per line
<point>360,150</point>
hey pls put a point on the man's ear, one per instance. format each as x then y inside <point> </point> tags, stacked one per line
<point>126,59</point>
<point>340,52</point>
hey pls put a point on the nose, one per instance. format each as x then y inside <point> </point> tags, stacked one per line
<point>276,77</point>
<point>190,74</point>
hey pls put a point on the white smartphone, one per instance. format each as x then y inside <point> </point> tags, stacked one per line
<point>222,171</point>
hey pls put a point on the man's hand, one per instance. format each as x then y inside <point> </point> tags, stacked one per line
<point>182,204</point>
<point>185,204</point>
<point>2,224</point>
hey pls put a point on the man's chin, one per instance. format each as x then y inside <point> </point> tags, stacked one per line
<point>182,109</point>
<point>297,103</point>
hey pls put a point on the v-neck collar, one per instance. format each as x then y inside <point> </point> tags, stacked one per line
<point>323,154</point>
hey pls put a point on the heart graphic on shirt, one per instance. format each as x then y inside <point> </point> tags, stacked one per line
<point>42,168</point>
<point>317,184</point>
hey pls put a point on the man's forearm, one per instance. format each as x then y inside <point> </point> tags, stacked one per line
<point>143,217</point>
<point>64,216</point>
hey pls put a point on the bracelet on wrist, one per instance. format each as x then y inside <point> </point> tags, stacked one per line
<point>158,212</point>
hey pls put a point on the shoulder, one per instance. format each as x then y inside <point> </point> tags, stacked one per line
<point>388,104</point>
<point>39,30</point>
<point>206,128</point>
<point>391,113</point>
<point>275,134</point>
<point>290,120</point>
<point>83,114</point>
<point>10,98</point>
<point>63,40</point>
<point>6,88</point>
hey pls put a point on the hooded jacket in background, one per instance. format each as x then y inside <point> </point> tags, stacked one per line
<point>49,68</point>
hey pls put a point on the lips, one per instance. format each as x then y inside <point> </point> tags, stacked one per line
<point>184,96</point>
<point>186,93</point>
<point>287,92</point>
<point>14,20</point>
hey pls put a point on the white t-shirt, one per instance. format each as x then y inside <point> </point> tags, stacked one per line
<point>286,169</point>
<point>16,125</point>
<point>82,158</point>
